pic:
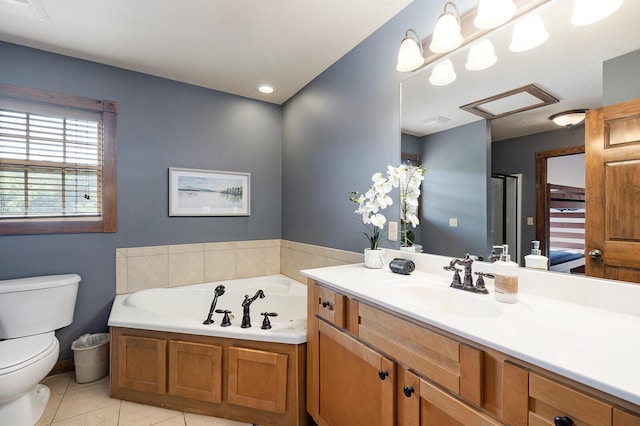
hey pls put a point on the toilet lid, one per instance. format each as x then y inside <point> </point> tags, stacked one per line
<point>16,353</point>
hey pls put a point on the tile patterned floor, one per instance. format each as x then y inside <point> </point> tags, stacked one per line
<point>89,404</point>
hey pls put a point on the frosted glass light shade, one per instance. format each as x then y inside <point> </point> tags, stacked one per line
<point>528,34</point>
<point>569,118</point>
<point>493,13</point>
<point>446,34</point>
<point>589,11</point>
<point>481,56</point>
<point>443,73</point>
<point>409,56</point>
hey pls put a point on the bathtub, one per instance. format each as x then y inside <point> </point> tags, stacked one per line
<point>183,309</point>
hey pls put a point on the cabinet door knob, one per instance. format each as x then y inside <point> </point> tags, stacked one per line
<point>562,421</point>
<point>383,374</point>
<point>325,304</point>
<point>408,390</point>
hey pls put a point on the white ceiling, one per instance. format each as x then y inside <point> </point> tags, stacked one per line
<point>226,45</point>
<point>568,66</point>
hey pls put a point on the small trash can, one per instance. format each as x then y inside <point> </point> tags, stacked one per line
<point>91,357</point>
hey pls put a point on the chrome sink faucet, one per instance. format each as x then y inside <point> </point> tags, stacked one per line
<point>246,318</point>
<point>467,282</point>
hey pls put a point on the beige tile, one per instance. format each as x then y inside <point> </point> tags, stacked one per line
<point>272,243</point>
<point>122,285</point>
<point>134,414</point>
<point>74,386</point>
<point>199,420</point>
<point>226,245</point>
<point>219,265</point>
<point>147,272</point>
<point>50,409</point>
<point>186,268</point>
<point>250,244</point>
<point>121,252</point>
<point>250,262</point>
<point>147,251</point>
<point>58,383</point>
<point>175,421</point>
<point>107,416</point>
<point>186,248</point>
<point>271,260</point>
<point>85,399</point>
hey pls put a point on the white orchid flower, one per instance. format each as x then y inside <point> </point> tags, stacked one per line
<point>378,220</point>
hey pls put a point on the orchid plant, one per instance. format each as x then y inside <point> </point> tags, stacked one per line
<point>406,177</point>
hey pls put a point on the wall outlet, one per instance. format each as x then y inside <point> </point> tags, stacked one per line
<point>453,222</point>
<point>393,231</point>
<point>529,221</point>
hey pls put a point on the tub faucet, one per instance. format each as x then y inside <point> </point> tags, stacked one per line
<point>246,319</point>
<point>219,291</point>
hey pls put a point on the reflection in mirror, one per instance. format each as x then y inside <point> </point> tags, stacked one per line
<point>583,67</point>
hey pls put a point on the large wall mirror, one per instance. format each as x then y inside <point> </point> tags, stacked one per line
<point>473,160</point>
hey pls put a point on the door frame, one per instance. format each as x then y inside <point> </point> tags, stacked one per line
<point>542,207</point>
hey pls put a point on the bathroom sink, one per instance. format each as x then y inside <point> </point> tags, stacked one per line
<point>449,301</point>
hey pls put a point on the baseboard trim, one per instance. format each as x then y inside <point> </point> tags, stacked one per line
<point>63,366</point>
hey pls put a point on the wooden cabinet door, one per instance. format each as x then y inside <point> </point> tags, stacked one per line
<point>438,408</point>
<point>195,371</point>
<point>622,418</point>
<point>142,364</point>
<point>612,226</point>
<point>549,399</point>
<point>356,383</point>
<point>257,379</point>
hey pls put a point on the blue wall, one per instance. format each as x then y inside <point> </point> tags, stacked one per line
<point>457,186</point>
<point>161,124</point>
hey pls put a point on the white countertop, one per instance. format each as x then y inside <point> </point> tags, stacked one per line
<point>581,328</point>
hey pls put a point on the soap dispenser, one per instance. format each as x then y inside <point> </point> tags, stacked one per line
<point>506,277</point>
<point>536,260</point>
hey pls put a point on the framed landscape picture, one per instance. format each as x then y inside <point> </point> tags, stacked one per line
<point>194,192</point>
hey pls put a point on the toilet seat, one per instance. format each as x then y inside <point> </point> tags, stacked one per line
<point>18,353</point>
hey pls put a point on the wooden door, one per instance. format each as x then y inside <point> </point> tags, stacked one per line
<point>195,371</point>
<point>357,384</point>
<point>612,143</point>
<point>142,364</point>
<point>258,379</point>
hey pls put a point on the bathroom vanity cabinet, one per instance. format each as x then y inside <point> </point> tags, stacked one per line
<point>255,382</point>
<point>369,365</point>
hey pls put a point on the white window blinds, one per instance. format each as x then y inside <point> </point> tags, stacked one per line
<point>50,161</point>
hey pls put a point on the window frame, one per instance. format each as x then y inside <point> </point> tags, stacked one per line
<point>61,225</point>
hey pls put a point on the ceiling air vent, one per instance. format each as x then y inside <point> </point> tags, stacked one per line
<point>511,102</point>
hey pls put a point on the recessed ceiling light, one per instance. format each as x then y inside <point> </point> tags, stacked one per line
<point>265,88</point>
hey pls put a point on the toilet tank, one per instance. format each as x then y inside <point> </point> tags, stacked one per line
<point>37,304</point>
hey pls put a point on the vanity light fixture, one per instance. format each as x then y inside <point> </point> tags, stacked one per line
<point>589,11</point>
<point>481,56</point>
<point>446,34</point>
<point>528,33</point>
<point>265,88</point>
<point>411,54</point>
<point>569,119</point>
<point>443,73</point>
<point>493,13</point>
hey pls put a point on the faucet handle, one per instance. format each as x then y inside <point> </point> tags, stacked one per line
<point>266,324</point>
<point>226,319</point>
<point>456,282</point>
<point>480,287</point>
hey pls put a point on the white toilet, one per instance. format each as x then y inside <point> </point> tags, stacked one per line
<point>31,309</point>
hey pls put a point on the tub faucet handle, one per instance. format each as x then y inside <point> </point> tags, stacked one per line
<point>266,324</point>
<point>226,319</point>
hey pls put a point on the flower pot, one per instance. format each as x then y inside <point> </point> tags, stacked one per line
<point>374,258</point>
<point>408,248</point>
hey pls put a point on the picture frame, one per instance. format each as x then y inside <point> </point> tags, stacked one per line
<point>196,192</point>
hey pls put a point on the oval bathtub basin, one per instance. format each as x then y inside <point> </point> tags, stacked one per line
<point>183,309</point>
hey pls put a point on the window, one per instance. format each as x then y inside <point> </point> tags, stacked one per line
<point>57,163</point>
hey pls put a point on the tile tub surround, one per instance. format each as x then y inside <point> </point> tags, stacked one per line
<point>139,268</point>
<point>73,404</point>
